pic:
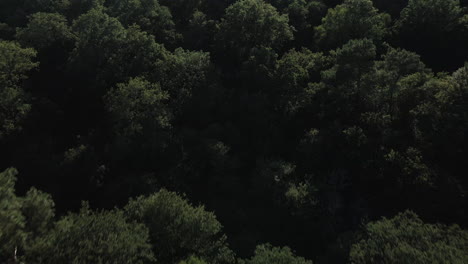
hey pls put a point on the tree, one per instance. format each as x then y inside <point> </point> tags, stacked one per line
<point>354,19</point>
<point>192,260</point>
<point>148,14</point>
<point>108,53</point>
<point>426,16</point>
<point>353,61</point>
<point>23,220</point>
<point>46,30</point>
<point>139,55</point>
<point>295,71</point>
<point>257,22</point>
<point>405,238</point>
<point>395,65</point>
<point>138,108</point>
<point>98,37</point>
<point>178,229</point>
<point>79,7</point>
<point>15,63</point>
<point>182,73</point>
<point>16,12</point>
<point>304,16</point>
<point>183,9</point>
<point>95,237</point>
<point>12,222</point>
<point>38,210</point>
<point>267,254</point>
<point>429,27</point>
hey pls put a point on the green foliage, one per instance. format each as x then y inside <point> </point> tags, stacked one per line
<point>296,69</point>
<point>23,220</point>
<point>96,237</point>
<point>354,59</point>
<point>107,52</point>
<point>15,12</point>
<point>267,254</point>
<point>138,108</point>
<point>15,63</point>
<point>436,16</point>
<point>304,16</point>
<point>183,9</point>
<point>192,260</point>
<point>257,22</point>
<point>12,222</point>
<point>293,120</point>
<point>138,55</point>
<point>98,37</point>
<point>440,23</point>
<point>354,19</point>
<point>407,239</point>
<point>148,14</point>
<point>183,73</point>
<point>79,7</point>
<point>178,229</point>
<point>45,30</point>
<point>38,210</point>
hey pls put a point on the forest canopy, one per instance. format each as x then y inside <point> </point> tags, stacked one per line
<point>233,131</point>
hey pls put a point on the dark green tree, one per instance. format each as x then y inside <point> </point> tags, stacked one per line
<point>148,14</point>
<point>354,19</point>
<point>138,109</point>
<point>259,24</point>
<point>430,27</point>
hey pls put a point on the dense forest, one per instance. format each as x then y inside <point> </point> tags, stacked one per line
<point>233,132</point>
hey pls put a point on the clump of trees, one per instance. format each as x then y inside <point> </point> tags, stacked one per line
<point>287,131</point>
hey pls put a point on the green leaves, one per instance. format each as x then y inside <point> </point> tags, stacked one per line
<point>38,210</point>
<point>96,237</point>
<point>23,220</point>
<point>12,222</point>
<point>354,19</point>
<point>45,30</point>
<point>407,239</point>
<point>15,63</point>
<point>257,22</point>
<point>178,229</point>
<point>138,107</point>
<point>148,14</point>
<point>437,16</point>
<point>267,254</point>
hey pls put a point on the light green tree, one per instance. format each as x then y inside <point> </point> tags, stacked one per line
<point>267,254</point>
<point>45,30</point>
<point>178,229</point>
<point>15,63</point>
<point>12,222</point>
<point>405,238</point>
<point>23,220</point>
<point>95,237</point>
